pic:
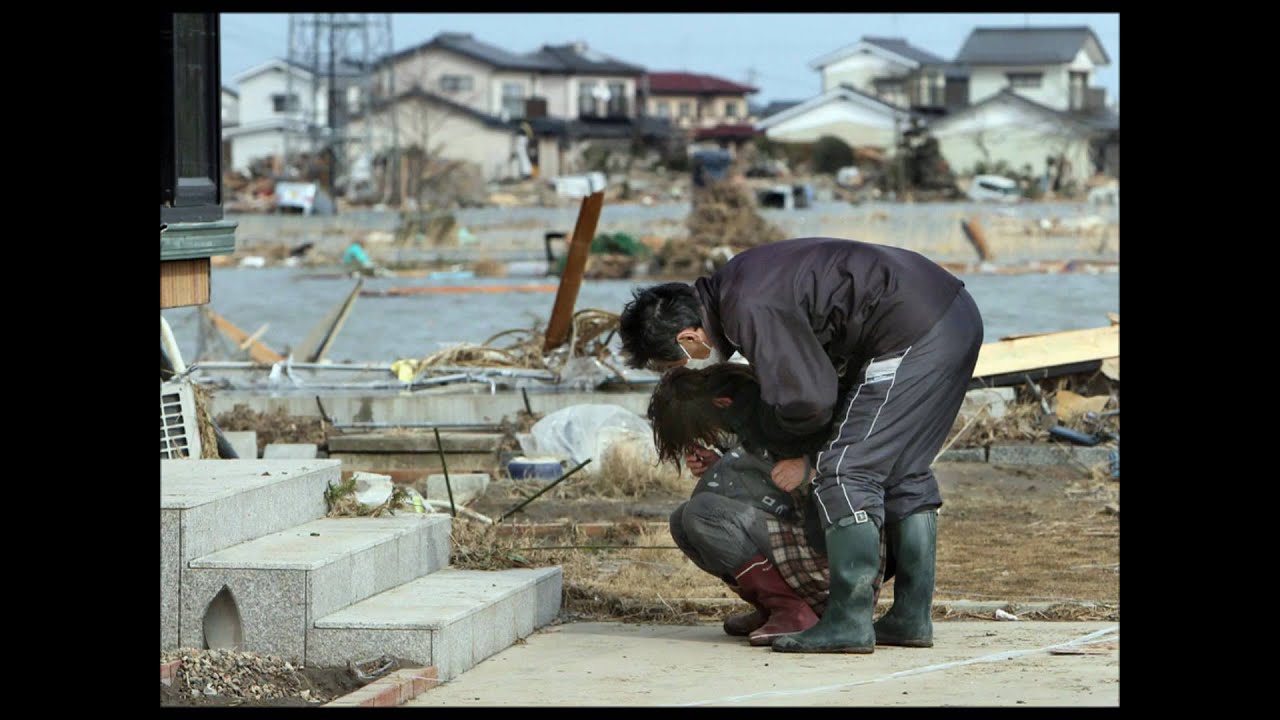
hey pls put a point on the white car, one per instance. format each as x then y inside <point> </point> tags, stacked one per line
<point>994,188</point>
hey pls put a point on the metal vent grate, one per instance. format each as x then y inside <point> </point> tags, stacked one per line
<point>179,435</point>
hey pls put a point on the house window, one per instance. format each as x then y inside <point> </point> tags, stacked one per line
<point>284,103</point>
<point>731,109</point>
<point>455,83</point>
<point>513,99</point>
<point>1079,82</point>
<point>891,90</point>
<point>617,99</point>
<point>586,100</point>
<point>663,109</point>
<point>1024,80</point>
<point>685,109</point>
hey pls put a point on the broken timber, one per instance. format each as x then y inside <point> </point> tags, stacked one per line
<point>257,351</point>
<point>1010,361</point>
<point>575,264</point>
<point>320,339</point>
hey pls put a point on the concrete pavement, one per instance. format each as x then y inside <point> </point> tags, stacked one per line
<point>972,663</point>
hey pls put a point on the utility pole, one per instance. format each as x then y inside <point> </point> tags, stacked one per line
<point>341,53</point>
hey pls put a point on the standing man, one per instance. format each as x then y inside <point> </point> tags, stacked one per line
<point>879,341</point>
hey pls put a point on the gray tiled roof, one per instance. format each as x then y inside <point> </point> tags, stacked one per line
<point>901,47</point>
<point>568,58</point>
<point>1028,46</point>
<point>776,107</point>
<point>465,44</point>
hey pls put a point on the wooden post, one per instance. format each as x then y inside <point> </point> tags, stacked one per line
<point>575,264</point>
<point>973,231</point>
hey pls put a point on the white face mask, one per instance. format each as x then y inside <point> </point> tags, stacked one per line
<point>711,359</point>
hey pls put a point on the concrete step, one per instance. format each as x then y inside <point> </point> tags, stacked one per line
<point>282,582</point>
<point>452,619</point>
<point>208,505</point>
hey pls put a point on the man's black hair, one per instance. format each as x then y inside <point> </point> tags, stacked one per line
<point>650,322</point>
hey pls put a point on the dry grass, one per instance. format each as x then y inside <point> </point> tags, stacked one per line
<point>203,396</point>
<point>621,576</point>
<point>340,501</point>
<point>625,472</point>
<point>589,335</point>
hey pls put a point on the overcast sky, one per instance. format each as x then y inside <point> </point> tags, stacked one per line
<point>769,50</point>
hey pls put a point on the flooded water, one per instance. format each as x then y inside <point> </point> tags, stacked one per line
<point>387,328</point>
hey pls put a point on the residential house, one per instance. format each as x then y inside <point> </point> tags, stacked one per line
<point>1050,65</point>
<point>230,112</point>
<point>893,70</point>
<point>230,107</point>
<point>560,98</point>
<point>702,107</point>
<point>1022,133</point>
<point>1030,99</point>
<point>871,90</point>
<point>858,118</point>
<point>283,104</point>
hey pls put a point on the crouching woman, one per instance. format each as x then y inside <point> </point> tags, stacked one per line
<point>765,543</point>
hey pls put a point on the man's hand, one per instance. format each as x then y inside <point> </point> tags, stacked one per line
<point>788,474</point>
<point>699,459</point>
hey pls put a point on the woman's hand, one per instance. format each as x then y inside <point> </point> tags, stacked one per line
<point>788,474</point>
<point>699,459</point>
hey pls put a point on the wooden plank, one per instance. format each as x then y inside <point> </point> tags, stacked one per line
<point>424,442</point>
<point>1020,377</point>
<point>257,351</point>
<point>571,280</point>
<point>1042,351</point>
<point>322,336</point>
<point>420,462</point>
<point>184,282</point>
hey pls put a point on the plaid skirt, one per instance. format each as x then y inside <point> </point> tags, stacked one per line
<point>803,566</point>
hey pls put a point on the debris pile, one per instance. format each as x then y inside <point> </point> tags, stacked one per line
<point>724,221</point>
<point>246,676</point>
<point>274,427</point>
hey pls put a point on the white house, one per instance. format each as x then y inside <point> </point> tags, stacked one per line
<point>230,107</point>
<point>889,68</point>
<point>270,106</point>
<point>1022,133</point>
<point>1051,65</point>
<point>859,119</point>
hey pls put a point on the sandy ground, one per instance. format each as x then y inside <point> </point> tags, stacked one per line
<point>1029,534</point>
<point>972,663</point>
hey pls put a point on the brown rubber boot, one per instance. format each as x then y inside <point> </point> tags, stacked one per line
<point>742,624</point>
<point>787,612</point>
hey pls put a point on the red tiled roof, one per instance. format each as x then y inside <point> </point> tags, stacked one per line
<point>725,131</point>
<point>679,82</point>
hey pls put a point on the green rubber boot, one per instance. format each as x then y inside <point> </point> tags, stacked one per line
<point>912,542</point>
<point>853,554</point>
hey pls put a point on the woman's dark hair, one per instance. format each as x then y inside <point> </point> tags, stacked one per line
<point>650,322</point>
<point>684,415</point>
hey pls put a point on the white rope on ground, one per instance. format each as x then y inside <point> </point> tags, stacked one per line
<point>995,657</point>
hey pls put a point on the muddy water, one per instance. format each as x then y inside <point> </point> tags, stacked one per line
<point>385,328</point>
